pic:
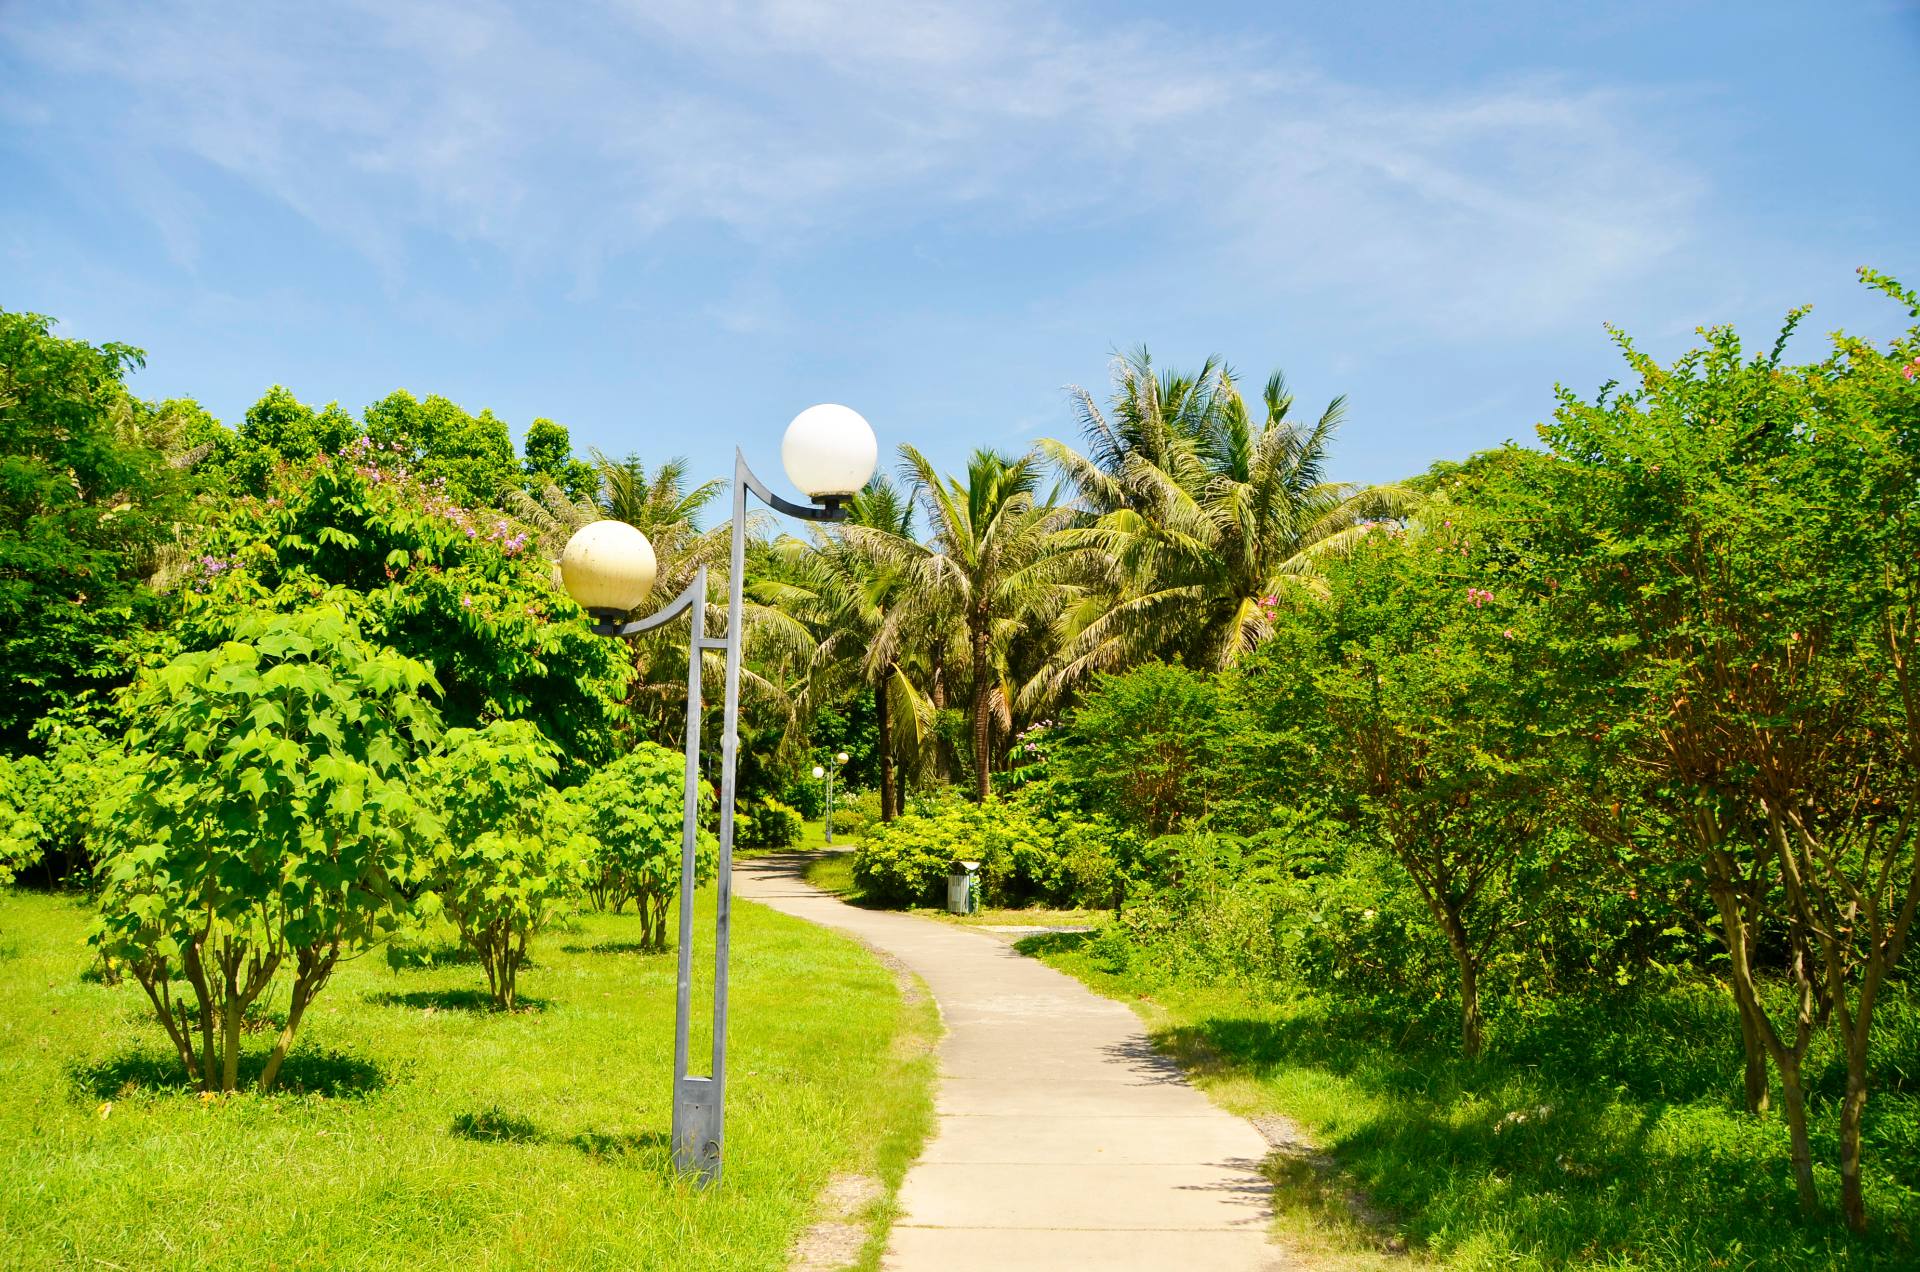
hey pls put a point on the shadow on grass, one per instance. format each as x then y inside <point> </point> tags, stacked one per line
<point>408,958</point>
<point>496,1126</point>
<point>1585,1131</point>
<point>476,1001</point>
<point>1041,944</point>
<point>616,947</point>
<point>307,1071</point>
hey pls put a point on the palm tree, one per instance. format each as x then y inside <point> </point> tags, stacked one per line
<point>991,566</point>
<point>846,591</point>
<point>1196,517</point>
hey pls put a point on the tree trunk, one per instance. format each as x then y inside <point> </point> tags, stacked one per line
<point>1758,1094</point>
<point>1733,935</point>
<point>1793,1093</point>
<point>154,981</point>
<point>230,1062</point>
<point>1471,1032</point>
<point>982,718</point>
<point>883,721</point>
<point>1852,1203</point>
<point>196,970</point>
<point>312,975</point>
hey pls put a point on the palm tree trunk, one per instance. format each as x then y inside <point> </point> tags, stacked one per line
<point>982,716</point>
<point>883,721</point>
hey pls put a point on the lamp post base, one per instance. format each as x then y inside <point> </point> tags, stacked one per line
<point>697,1128</point>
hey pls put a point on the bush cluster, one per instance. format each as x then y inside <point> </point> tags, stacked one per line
<point>1026,855</point>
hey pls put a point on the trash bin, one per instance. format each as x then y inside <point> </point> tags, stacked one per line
<point>963,889</point>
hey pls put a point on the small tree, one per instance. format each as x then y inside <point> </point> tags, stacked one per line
<point>1734,594</point>
<point>1147,745</point>
<point>632,813</point>
<point>508,858</point>
<point>266,820</point>
<point>1434,733</point>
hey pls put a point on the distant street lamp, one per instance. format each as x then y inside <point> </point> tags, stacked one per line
<point>608,567</point>
<point>818,771</point>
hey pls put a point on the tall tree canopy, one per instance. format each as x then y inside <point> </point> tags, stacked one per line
<point>84,504</point>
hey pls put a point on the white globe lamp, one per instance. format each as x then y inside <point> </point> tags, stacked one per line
<point>608,568</point>
<point>829,451</point>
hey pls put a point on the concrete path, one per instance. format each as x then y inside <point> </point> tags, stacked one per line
<point>1064,1141</point>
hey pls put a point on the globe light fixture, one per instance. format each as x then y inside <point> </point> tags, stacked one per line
<point>841,758</point>
<point>829,451</point>
<point>819,772</point>
<point>608,568</point>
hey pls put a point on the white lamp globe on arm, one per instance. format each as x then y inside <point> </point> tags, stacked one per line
<point>608,568</point>
<point>829,451</point>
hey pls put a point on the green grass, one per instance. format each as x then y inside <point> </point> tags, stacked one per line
<point>420,1130</point>
<point>833,872</point>
<point>1584,1139</point>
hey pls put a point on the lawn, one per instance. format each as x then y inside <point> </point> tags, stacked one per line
<point>421,1130</point>
<point>1590,1136</point>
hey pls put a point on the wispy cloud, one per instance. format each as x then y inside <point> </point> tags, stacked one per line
<point>563,137</point>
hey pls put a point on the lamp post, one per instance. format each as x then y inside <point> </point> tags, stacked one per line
<point>839,760</point>
<point>608,567</point>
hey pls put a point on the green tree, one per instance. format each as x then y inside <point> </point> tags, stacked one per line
<point>847,589</point>
<point>1148,745</point>
<point>1735,576</point>
<point>278,430</point>
<point>83,507</point>
<point>1430,684</point>
<point>549,460</point>
<point>508,859</point>
<point>992,565</point>
<point>470,457</point>
<point>268,822</point>
<point>632,811</point>
<point>1199,516</point>
<point>457,590</point>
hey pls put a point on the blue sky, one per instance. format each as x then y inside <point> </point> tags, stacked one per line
<point>672,225</point>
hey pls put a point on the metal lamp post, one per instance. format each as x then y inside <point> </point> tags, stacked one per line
<point>608,567</point>
<point>839,761</point>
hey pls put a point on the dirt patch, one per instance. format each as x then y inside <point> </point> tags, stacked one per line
<point>836,1240</point>
<point>1312,1178</point>
<point>829,1246</point>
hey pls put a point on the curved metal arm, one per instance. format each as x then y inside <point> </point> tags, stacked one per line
<point>830,508</point>
<point>606,624</point>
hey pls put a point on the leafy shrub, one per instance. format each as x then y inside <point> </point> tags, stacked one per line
<point>51,801</point>
<point>508,858</point>
<point>631,811</point>
<point>852,814</point>
<point>270,821</point>
<point>20,832</point>
<point>1145,745</point>
<point>771,824</point>
<point>1025,855</point>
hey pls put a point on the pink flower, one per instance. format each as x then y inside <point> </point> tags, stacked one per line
<point>1508,633</point>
